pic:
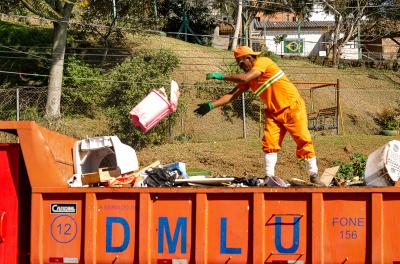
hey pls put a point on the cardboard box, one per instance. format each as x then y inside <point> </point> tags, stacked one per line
<point>102,175</point>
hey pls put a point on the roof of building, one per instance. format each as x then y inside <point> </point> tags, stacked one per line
<point>290,24</point>
<point>225,28</point>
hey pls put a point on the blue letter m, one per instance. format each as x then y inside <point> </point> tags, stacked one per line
<point>163,227</point>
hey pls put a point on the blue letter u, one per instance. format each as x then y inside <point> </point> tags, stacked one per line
<point>278,235</point>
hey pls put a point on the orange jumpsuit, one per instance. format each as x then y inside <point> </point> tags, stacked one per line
<point>285,112</point>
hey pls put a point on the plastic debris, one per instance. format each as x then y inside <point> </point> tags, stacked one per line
<point>275,181</point>
<point>155,107</point>
<point>383,165</point>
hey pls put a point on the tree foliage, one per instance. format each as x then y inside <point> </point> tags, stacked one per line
<point>11,6</point>
<point>383,20</point>
<point>373,16</point>
<point>132,81</point>
<point>172,12</point>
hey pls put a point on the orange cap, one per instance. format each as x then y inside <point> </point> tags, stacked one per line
<point>243,51</point>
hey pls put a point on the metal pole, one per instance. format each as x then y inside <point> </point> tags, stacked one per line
<point>17,95</point>
<point>358,33</point>
<point>337,107</point>
<point>155,9</point>
<point>114,9</point>
<point>265,34</point>
<point>243,32</point>
<point>244,117</point>
<point>185,21</point>
<point>298,26</point>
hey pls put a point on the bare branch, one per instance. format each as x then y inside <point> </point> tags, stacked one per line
<point>333,9</point>
<point>41,8</point>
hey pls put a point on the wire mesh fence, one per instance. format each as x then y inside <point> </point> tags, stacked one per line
<point>331,109</point>
<point>242,118</point>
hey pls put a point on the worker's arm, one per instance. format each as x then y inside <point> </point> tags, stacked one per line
<point>227,98</point>
<point>204,108</point>
<point>244,77</point>
<point>236,78</point>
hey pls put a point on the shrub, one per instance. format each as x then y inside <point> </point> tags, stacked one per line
<point>83,89</point>
<point>24,39</point>
<point>388,119</point>
<point>273,56</point>
<point>356,168</point>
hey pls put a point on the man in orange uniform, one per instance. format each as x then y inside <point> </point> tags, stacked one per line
<point>285,109</point>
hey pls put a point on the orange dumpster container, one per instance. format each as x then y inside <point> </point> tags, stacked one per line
<point>195,225</point>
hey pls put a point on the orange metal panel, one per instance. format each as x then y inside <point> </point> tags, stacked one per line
<point>90,230</point>
<point>347,228</point>
<point>316,228</point>
<point>144,233</point>
<point>196,225</point>
<point>201,228</point>
<point>258,228</point>
<point>62,234</point>
<point>173,222</point>
<point>44,151</point>
<point>229,232</point>
<point>37,229</point>
<point>390,229</point>
<point>288,227</point>
<point>117,216</point>
<point>377,228</point>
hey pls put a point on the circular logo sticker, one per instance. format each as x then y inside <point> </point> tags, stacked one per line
<point>63,228</point>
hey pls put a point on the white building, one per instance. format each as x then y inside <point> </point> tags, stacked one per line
<point>313,40</point>
<point>314,35</point>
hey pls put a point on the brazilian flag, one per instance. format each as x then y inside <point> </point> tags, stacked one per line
<point>293,45</point>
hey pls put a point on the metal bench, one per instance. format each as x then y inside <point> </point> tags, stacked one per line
<point>325,118</point>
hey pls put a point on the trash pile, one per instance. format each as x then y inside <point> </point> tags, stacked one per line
<point>106,162</point>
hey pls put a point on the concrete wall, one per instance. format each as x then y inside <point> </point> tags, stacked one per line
<point>220,41</point>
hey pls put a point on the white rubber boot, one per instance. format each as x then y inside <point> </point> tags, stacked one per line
<point>270,162</point>
<point>311,165</point>
<point>312,169</point>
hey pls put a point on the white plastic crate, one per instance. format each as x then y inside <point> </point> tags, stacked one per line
<point>383,165</point>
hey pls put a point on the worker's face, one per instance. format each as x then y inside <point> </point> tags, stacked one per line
<point>245,63</point>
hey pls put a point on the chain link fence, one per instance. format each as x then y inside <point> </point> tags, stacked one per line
<point>331,110</point>
<point>22,103</point>
<point>244,117</point>
<point>241,119</point>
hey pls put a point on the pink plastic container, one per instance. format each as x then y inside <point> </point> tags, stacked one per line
<point>154,107</point>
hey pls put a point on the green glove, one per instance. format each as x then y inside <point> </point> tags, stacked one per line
<point>204,108</point>
<point>215,75</point>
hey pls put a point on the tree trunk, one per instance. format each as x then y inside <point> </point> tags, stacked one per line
<point>335,47</point>
<point>57,63</point>
<point>237,27</point>
<point>56,70</point>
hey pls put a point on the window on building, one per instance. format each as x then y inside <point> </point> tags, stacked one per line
<point>256,46</point>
